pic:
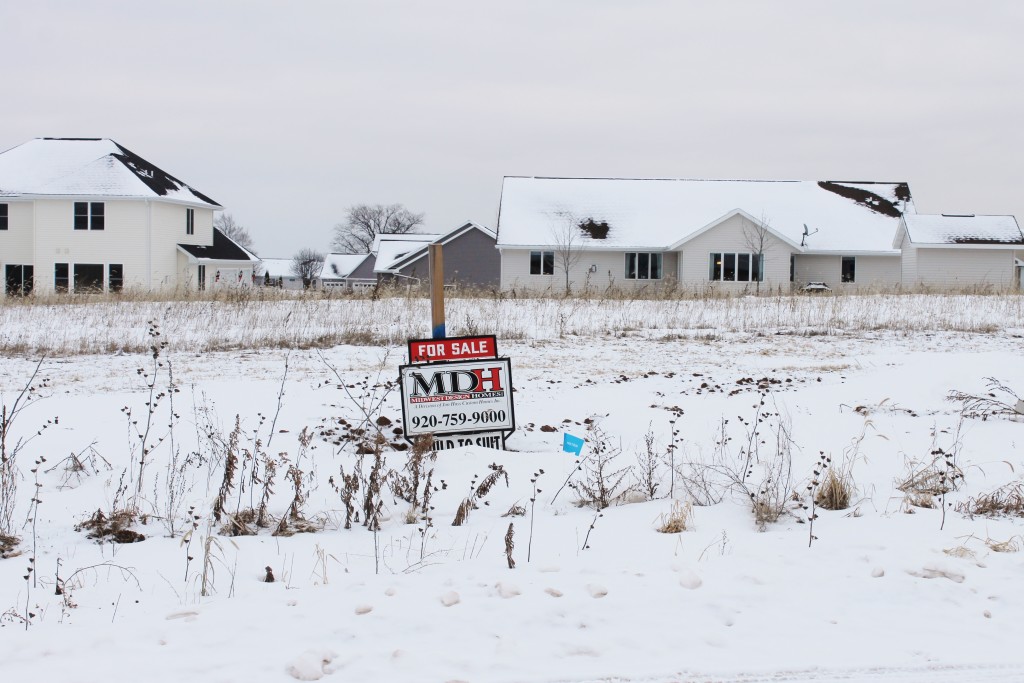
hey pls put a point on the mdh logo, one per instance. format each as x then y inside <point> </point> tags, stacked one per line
<point>478,383</point>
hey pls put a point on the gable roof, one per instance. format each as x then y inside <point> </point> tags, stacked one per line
<point>421,251</point>
<point>338,266</point>
<point>223,249</point>
<point>92,167</point>
<point>391,248</point>
<point>963,229</point>
<point>657,213</point>
<point>278,267</point>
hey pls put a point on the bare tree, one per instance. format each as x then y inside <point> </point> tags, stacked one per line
<point>227,224</point>
<point>567,237</point>
<point>364,222</point>
<point>307,264</point>
<point>756,238</point>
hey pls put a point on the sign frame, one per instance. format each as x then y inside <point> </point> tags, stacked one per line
<point>447,416</point>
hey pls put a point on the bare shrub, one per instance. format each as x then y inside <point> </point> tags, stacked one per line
<point>602,482</point>
<point>989,404</point>
<point>647,461</point>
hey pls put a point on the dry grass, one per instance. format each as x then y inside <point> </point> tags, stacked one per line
<point>676,520</point>
<point>1007,500</point>
<point>114,527</point>
<point>836,491</point>
<point>259,318</point>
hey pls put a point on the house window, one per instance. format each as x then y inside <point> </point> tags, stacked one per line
<point>89,216</point>
<point>643,266</point>
<point>849,272</point>
<point>726,267</point>
<point>201,277</point>
<point>18,280</point>
<point>60,278</point>
<point>88,277</point>
<point>190,221</point>
<point>3,216</point>
<point>542,263</point>
<point>115,277</point>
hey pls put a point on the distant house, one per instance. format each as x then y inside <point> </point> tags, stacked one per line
<point>86,214</point>
<point>468,255</point>
<point>733,234</point>
<point>338,269</point>
<point>277,272</point>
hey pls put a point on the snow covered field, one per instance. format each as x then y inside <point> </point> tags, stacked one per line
<point>888,591</point>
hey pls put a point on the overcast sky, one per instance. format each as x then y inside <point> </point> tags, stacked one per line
<point>287,113</point>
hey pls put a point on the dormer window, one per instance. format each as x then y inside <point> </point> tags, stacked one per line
<point>190,221</point>
<point>89,216</point>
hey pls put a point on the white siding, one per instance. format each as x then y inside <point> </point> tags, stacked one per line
<point>609,269</point>
<point>733,235</point>
<point>168,230</point>
<point>16,242</point>
<point>955,268</point>
<point>870,272</point>
<point>122,240</point>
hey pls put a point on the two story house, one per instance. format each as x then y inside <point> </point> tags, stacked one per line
<point>86,214</point>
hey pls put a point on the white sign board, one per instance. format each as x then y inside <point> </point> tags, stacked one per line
<point>460,397</point>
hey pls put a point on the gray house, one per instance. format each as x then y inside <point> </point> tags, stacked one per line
<point>470,258</point>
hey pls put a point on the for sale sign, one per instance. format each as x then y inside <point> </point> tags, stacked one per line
<point>452,348</point>
<point>461,397</point>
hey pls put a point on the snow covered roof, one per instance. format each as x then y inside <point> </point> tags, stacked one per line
<point>656,213</point>
<point>222,249</point>
<point>278,267</point>
<point>393,248</point>
<point>401,237</point>
<point>341,265</point>
<point>963,229</point>
<point>92,167</point>
<point>421,251</point>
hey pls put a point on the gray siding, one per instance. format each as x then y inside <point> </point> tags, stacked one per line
<point>469,260</point>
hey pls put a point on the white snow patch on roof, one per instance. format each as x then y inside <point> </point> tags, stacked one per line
<point>86,167</point>
<point>962,229</point>
<point>389,251</point>
<point>341,265</point>
<point>278,267</point>
<point>656,213</point>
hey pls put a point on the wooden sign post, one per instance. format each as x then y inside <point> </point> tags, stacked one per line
<point>436,291</point>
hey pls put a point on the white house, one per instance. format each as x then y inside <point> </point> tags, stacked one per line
<point>729,234</point>
<point>86,214</point>
<point>277,272</point>
<point>337,272</point>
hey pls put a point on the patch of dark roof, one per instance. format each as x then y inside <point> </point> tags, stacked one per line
<point>983,240</point>
<point>223,249</point>
<point>595,230</point>
<point>869,199</point>
<point>155,179</point>
<point>76,139</point>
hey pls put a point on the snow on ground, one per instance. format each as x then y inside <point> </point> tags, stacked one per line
<point>883,594</point>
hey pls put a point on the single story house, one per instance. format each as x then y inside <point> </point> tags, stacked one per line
<point>571,233</point>
<point>277,272</point>
<point>86,214</point>
<point>337,273</point>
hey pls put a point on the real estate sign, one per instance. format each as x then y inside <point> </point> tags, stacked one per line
<point>457,397</point>
<point>452,348</point>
